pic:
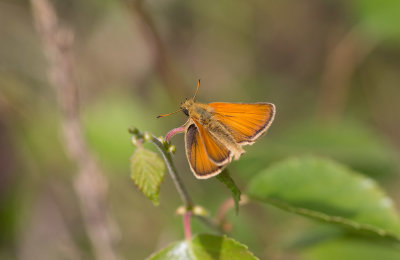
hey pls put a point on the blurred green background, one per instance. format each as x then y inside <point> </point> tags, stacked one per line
<point>332,68</point>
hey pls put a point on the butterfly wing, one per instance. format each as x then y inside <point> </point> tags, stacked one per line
<point>216,151</point>
<point>199,162</point>
<point>246,122</point>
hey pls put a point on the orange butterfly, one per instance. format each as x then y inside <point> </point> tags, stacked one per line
<point>216,132</point>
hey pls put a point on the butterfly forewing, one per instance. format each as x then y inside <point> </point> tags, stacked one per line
<point>246,122</point>
<point>197,156</point>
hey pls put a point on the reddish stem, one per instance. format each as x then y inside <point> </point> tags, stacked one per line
<point>173,132</point>
<point>186,225</point>
<point>139,143</point>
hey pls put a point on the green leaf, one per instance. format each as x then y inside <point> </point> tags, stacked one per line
<point>349,142</point>
<point>205,247</point>
<point>328,191</point>
<point>226,179</point>
<point>351,248</point>
<point>147,172</point>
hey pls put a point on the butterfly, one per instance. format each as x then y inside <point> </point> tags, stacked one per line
<point>216,132</point>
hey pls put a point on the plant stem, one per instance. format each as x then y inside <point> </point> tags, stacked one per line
<point>186,225</point>
<point>173,132</point>
<point>174,174</point>
<point>176,179</point>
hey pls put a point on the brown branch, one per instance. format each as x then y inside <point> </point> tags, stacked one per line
<point>340,66</point>
<point>164,65</point>
<point>90,184</point>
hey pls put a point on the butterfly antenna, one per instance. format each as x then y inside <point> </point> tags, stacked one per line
<point>169,113</point>
<point>197,90</point>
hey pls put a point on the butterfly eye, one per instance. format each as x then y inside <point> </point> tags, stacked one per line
<point>185,111</point>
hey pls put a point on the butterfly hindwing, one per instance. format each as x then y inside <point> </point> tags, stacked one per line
<point>199,161</point>
<point>216,151</point>
<point>246,122</point>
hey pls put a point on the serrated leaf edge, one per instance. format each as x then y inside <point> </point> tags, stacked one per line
<point>196,236</point>
<point>153,198</point>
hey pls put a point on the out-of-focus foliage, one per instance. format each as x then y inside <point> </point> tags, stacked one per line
<point>101,120</point>
<point>379,19</point>
<point>248,51</point>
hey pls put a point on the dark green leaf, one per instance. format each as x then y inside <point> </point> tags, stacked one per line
<point>327,191</point>
<point>226,179</point>
<point>205,247</point>
<point>147,172</point>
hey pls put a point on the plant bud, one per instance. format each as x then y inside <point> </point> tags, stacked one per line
<point>200,211</point>
<point>161,139</point>
<point>172,149</point>
<point>147,136</point>
<point>134,140</point>
<point>180,211</point>
<point>133,130</point>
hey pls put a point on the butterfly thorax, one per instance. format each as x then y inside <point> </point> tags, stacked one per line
<point>203,115</point>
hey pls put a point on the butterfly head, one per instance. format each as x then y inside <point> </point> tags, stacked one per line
<point>186,106</point>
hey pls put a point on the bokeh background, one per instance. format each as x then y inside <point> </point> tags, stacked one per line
<point>331,67</point>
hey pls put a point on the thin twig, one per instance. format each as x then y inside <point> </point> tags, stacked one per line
<point>340,65</point>
<point>189,205</point>
<point>181,187</point>
<point>173,132</point>
<point>90,184</point>
<point>223,210</point>
<point>174,174</point>
<point>164,65</point>
<point>228,205</point>
<point>186,225</point>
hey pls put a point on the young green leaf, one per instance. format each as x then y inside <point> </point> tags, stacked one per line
<point>226,179</point>
<point>327,191</point>
<point>147,172</point>
<point>205,247</point>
